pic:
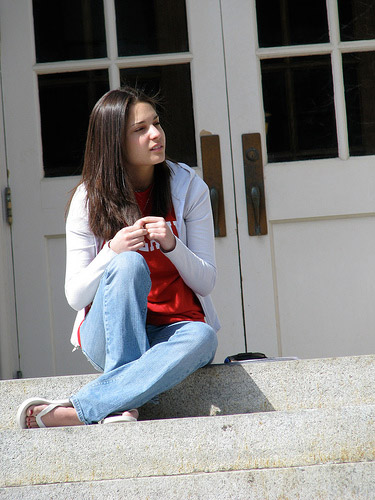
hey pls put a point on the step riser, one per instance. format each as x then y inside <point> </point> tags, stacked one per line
<point>227,390</point>
<point>186,446</point>
<point>328,482</point>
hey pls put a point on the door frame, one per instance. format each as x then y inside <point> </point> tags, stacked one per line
<point>9,357</point>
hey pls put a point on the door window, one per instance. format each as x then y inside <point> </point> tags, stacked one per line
<point>291,22</point>
<point>317,77</point>
<point>357,20</point>
<point>299,106</point>
<point>66,100</point>
<point>69,30</point>
<point>84,48</point>
<point>176,107</point>
<point>151,27</point>
<point>359,78</point>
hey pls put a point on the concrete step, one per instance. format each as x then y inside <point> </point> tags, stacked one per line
<point>326,482</point>
<point>177,447</point>
<point>292,429</point>
<point>229,389</point>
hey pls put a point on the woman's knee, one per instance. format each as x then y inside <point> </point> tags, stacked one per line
<point>206,339</point>
<point>129,264</point>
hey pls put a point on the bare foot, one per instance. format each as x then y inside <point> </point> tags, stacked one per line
<point>59,417</point>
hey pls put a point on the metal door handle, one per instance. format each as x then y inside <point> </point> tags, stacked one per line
<point>254,184</point>
<point>211,162</point>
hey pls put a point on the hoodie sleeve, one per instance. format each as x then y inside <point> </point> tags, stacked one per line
<point>84,264</point>
<point>195,260</point>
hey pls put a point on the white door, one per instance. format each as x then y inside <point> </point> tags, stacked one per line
<point>54,68</point>
<point>307,69</point>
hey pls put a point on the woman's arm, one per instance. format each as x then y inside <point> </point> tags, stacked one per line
<point>195,261</point>
<point>84,265</point>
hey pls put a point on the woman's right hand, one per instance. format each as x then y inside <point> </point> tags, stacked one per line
<point>130,238</point>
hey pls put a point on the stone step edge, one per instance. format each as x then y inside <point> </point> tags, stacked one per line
<point>186,446</point>
<point>311,482</point>
<point>229,389</point>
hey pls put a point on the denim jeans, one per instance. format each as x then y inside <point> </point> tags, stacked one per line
<point>138,361</point>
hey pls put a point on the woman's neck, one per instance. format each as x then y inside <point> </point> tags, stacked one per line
<point>142,178</point>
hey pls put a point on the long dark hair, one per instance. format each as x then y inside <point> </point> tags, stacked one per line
<point>110,194</point>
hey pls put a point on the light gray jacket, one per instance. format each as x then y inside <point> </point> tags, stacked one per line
<point>193,256</point>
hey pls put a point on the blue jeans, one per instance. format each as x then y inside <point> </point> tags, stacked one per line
<point>138,361</point>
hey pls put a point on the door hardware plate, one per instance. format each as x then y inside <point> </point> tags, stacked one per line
<point>212,175</point>
<point>254,184</point>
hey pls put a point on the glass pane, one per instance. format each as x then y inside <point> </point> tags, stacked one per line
<point>357,19</point>
<point>359,77</point>
<point>151,27</point>
<point>177,118</point>
<point>69,29</point>
<point>299,108</point>
<point>66,101</point>
<point>291,22</point>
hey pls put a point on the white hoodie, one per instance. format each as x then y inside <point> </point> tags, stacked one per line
<point>193,256</point>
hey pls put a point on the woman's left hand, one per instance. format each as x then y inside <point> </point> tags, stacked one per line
<point>158,230</point>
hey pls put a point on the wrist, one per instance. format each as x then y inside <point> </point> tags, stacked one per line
<point>109,243</point>
<point>170,247</point>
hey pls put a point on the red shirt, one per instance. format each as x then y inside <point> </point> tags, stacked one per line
<point>170,299</point>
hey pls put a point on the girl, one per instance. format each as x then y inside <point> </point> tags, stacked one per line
<point>140,268</point>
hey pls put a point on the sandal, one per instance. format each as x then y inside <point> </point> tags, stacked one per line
<point>22,410</point>
<point>119,417</point>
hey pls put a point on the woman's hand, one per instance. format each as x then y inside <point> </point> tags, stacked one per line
<point>159,231</point>
<point>130,238</point>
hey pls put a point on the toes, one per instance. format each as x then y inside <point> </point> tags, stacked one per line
<point>31,422</point>
<point>31,414</point>
<point>33,411</point>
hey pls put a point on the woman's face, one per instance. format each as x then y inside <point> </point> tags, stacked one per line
<point>144,138</point>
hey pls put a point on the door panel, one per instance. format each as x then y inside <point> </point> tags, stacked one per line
<point>325,277</point>
<point>310,293</point>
